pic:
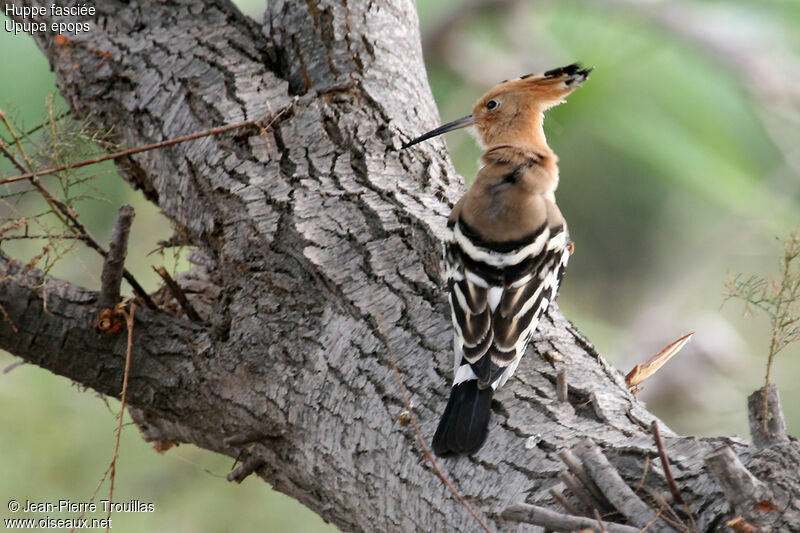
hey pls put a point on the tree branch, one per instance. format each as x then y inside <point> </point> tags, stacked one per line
<point>772,430</point>
<point>540,516</point>
<point>111,277</point>
<point>316,232</point>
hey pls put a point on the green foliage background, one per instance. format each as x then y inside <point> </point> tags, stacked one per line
<point>675,170</point>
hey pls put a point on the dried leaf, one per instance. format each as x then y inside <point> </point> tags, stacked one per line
<point>648,368</point>
<point>740,524</point>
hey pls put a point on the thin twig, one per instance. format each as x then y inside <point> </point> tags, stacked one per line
<point>645,470</point>
<point>7,318</point>
<point>673,487</point>
<point>14,365</point>
<point>673,520</point>
<point>650,523</point>
<point>562,388</point>
<point>574,465</point>
<point>132,151</point>
<point>8,155</point>
<point>124,153</point>
<point>599,520</point>
<point>61,236</point>
<point>94,494</point>
<point>425,450</point>
<point>178,294</point>
<point>613,487</point>
<point>81,229</point>
<point>560,498</point>
<point>62,210</point>
<point>17,141</point>
<point>577,490</point>
<point>38,127</point>
<point>123,398</point>
<point>662,454</point>
<point>114,264</point>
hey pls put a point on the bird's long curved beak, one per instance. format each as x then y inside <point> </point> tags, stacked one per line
<point>469,120</point>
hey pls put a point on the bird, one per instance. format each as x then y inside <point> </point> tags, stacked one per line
<point>506,247</point>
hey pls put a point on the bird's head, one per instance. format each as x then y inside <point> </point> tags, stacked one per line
<point>512,112</point>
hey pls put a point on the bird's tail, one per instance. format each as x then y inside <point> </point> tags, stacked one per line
<point>465,422</point>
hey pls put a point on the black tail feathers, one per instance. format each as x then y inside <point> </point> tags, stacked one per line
<point>465,422</point>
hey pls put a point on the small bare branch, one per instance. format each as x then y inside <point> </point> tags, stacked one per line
<point>662,454</point>
<point>178,294</point>
<point>67,215</point>
<point>13,365</point>
<point>562,388</point>
<point>561,499</point>
<point>54,237</point>
<point>114,264</point>
<point>252,464</point>
<point>574,465</point>
<point>613,486</point>
<point>7,319</point>
<point>543,517</point>
<point>577,490</point>
<point>132,151</point>
<point>741,488</point>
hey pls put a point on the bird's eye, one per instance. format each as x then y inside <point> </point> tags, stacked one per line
<point>491,104</point>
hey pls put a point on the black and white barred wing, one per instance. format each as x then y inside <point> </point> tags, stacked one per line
<point>498,293</point>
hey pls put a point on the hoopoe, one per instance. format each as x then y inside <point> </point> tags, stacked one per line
<point>507,247</point>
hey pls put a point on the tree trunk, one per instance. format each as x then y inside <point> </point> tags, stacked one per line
<point>322,241</point>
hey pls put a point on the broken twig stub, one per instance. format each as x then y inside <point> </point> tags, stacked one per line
<point>770,430</point>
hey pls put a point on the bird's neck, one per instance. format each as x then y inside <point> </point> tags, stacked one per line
<point>526,145</point>
<point>537,161</point>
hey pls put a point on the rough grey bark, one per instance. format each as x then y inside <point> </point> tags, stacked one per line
<point>319,244</point>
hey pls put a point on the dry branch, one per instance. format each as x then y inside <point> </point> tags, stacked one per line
<point>125,153</point>
<point>70,218</point>
<point>574,465</point>
<point>741,488</point>
<point>178,294</point>
<point>562,387</point>
<point>581,493</point>
<point>614,487</point>
<point>541,516</point>
<point>662,454</point>
<point>250,465</point>
<point>769,431</point>
<point>129,319</point>
<point>114,264</point>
